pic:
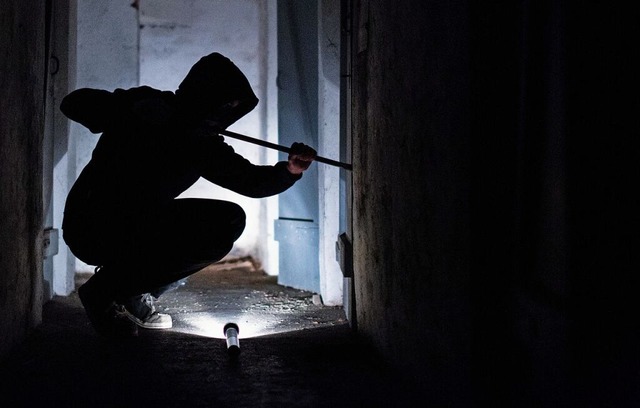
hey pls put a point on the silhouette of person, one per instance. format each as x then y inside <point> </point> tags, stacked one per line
<point>122,214</point>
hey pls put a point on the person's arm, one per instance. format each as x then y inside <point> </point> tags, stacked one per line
<point>97,109</point>
<point>218,163</point>
<point>89,107</point>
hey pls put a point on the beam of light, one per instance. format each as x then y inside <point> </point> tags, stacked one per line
<point>211,325</point>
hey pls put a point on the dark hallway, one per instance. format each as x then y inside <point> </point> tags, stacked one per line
<point>313,360</point>
<point>494,223</point>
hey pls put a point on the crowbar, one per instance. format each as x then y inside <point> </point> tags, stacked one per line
<point>281,148</point>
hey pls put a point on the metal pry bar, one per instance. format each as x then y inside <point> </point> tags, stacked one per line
<point>281,148</point>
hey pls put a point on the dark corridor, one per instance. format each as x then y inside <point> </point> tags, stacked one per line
<point>495,225</point>
<point>314,360</point>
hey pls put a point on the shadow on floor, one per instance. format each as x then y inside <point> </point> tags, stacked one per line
<point>64,363</point>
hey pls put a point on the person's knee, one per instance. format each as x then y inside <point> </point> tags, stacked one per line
<point>237,220</point>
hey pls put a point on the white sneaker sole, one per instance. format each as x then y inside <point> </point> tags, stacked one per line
<point>166,324</point>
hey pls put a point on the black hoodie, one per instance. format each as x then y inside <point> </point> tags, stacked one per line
<point>154,146</point>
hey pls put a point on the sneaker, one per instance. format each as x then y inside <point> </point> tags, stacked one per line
<point>103,313</point>
<point>141,311</point>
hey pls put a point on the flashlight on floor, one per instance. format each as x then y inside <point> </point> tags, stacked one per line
<point>231,331</point>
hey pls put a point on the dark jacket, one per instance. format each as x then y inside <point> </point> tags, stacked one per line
<point>153,146</point>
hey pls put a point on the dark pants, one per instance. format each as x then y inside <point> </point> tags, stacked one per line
<point>153,250</point>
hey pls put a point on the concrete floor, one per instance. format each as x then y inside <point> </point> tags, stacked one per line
<point>294,353</point>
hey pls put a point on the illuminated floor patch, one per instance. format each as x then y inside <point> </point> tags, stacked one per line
<point>236,292</point>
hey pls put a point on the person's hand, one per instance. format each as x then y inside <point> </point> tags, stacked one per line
<point>300,158</point>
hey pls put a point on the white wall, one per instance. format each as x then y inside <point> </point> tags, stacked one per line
<point>119,47</point>
<point>328,136</point>
<point>64,80</point>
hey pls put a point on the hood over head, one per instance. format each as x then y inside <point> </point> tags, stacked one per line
<point>210,87</point>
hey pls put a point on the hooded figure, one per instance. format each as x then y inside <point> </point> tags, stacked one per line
<point>122,214</point>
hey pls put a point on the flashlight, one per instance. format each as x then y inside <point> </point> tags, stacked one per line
<point>231,331</point>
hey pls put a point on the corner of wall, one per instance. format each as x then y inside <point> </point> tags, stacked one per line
<point>21,135</point>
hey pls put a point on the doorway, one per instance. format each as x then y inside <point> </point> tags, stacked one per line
<point>155,42</point>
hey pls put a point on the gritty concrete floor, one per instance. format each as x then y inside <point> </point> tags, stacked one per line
<point>294,353</point>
